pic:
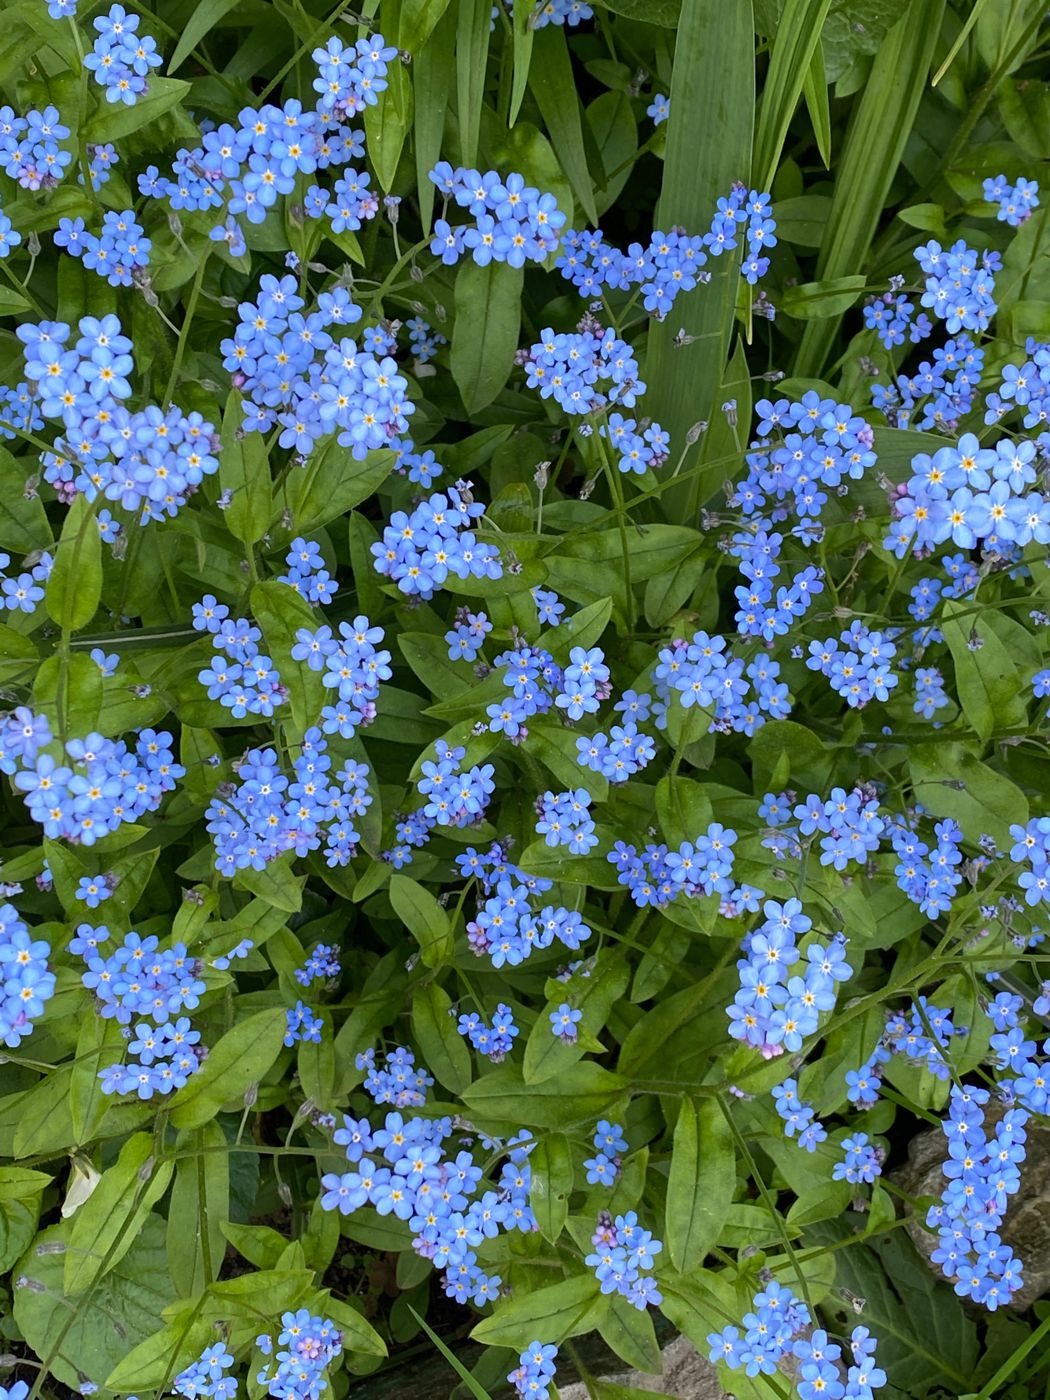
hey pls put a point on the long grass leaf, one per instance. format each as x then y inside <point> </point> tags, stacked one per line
<point>472,53</point>
<point>475,1388</point>
<point>874,145</point>
<point>430,80</point>
<point>818,104</point>
<point>554,88</point>
<point>709,136</point>
<point>797,38</point>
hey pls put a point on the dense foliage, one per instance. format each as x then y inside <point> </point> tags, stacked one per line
<point>525,659</point>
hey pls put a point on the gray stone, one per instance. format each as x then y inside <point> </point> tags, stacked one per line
<point>687,1376</point>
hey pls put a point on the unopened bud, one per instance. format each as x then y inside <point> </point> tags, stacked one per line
<point>696,432</point>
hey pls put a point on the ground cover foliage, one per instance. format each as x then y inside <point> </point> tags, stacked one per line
<point>525,669</point>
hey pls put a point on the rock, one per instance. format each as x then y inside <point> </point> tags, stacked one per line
<point>687,1376</point>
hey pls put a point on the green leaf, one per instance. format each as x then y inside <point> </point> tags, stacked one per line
<point>200,1203</point>
<point>358,1334</point>
<point>988,683</point>
<point>75,586</point>
<point>485,333</point>
<point>159,1358</point>
<point>424,918</point>
<point>416,20</point>
<point>331,484</point>
<point>662,12</point>
<point>815,301</point>
<point>244,472</point>
<point>69,692</point>
<point>276,884</point>
<point>550,1162</point>
<point>113,120</point>
<point>615,134</point>
<point>950,781</point>
<point>923,1331</point>
<point>242,1057</point>
<point>555,1313</point>
<point>472,50</point>
<point>259,1244</point>
<point>712,90</point>
<point>444,1050</point>
<point>797,40</point>
<point>683,808</point>
<point>12,302</point>
<point>547,1056</point>
<point>92,1333</point>
<point>107,1224</point>
<point>879,128</point>
<point>99,1045</point>
<point>554,87</point>
<point>19,1211</point>
<point>201,21</point>
<point>701,1182</point>
<point>387,123</point>
<point>582,1094</point>
<point>631,1335</point>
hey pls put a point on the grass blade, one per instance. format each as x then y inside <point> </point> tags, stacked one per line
<point>818,105</point>
<point>523,32</point>
<point>554,88</point>
<point>709,136</point>
<point>472,54</point>
<point>874,146</point>
<point>797,39</point>
<point>475,1388</point>
<point>430,80</point>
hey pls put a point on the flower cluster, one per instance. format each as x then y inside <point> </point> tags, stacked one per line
<point>507,928</point>
<point>774,1008</point>
<point>776,1318</point>
<point>584,371</point>
<point>30,152</point>
<point>302,1025</point>
<point>495,1041</point>
<point>307,574</point>
<point>414,1177</point>
<point>857,665</point>
<point>24,591</point>
<point>929,877</point>
<point>659,874</point>
<point>139,978</point>
<point>308,1345</point>
<point>103,786</point>
<point>671,262</point>
<point>513,222</point>
<point>400,1082</point>
<point>609,1142</point>
<point>26,981</point>
<point>298,377</point>
<point>702,673</point>
<point>565,820</point>
<point>322,962</point>
<point>940,392</point>
<point>149,460</point>
<point>117,253</point>
<point>454,798</point>
<point>982,1172</point>
<point>562,12</point>
<point>420,548</point>
<point>264,815</point>
<point>1015,202</point>
<point>534,1373</point>
<point>623,1252</point>
<point>1032,846</point>
<point>773,1340</point>
<point>970,495</point>
<point>207,1375</point>
<point>798,1117</point>
<point>121,57</point>
<point>353,669</point>
<point>240,677</point>
<point>861,1161</point>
